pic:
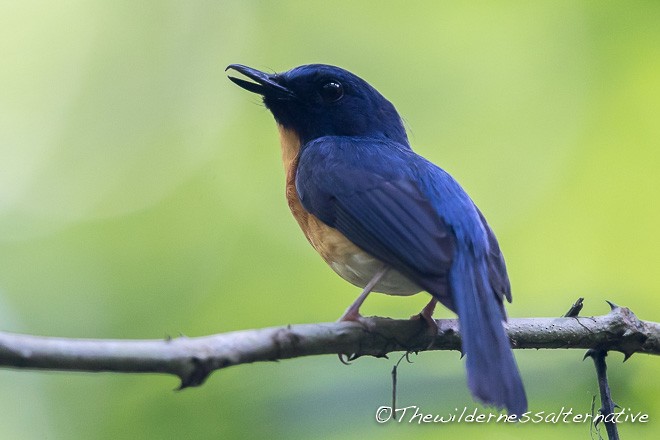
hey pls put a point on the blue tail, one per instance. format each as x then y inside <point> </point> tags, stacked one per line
<point>492,373</point>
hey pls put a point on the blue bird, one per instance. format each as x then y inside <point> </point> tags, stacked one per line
<point>386,219</point>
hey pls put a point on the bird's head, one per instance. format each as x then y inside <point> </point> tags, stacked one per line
<point>318,100</point>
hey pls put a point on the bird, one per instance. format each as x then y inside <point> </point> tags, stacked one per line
<point>385,218</point>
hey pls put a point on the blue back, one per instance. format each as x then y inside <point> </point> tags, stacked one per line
<point>395,205</point>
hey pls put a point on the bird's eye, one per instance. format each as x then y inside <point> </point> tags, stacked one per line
<point>332,91</point>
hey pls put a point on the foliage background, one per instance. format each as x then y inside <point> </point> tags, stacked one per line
<point>141,196</point>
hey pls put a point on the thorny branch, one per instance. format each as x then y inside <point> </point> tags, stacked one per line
<point>605,394</point>
<point>194,359</point>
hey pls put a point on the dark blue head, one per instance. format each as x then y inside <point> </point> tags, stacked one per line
<point>319,100</point>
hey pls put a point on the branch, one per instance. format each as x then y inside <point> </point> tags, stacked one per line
<point>193,359</point>
<point>605,393</point>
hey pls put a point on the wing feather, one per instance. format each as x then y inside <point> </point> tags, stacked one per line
<point>379,208</point>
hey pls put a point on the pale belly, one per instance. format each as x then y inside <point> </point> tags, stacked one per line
<point>345,258</point>
<point>359,269</point>
<point>349,261</point>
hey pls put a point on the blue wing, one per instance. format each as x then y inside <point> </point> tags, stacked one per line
<point>412,215</point>
<point>393,204</point>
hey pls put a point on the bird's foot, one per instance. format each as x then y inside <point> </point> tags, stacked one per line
<point>354,316</point>
<point>351,314</point>
<point>431,325</point>
<point>427,315</point>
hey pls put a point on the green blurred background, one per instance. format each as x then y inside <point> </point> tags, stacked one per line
<point>141,195</point>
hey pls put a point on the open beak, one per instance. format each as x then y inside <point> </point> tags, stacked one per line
<point>262,83</point>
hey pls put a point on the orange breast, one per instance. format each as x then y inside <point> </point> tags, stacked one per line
<point>328,242</point>
<point>348,260</point>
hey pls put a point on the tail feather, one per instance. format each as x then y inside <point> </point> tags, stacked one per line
<point>492,373</point>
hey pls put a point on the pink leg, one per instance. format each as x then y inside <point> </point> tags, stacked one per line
<point>352,313</point>
<point>427,311</point>
<point>427,315</point>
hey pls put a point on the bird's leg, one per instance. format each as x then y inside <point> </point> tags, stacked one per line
<point>427,315</point>
<point>352,313</point>
<point>427,311</point>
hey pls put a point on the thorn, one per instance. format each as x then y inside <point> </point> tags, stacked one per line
<point>589,353</point>
<point>341,358</point>
<point>462,354</point>
<point>612,305</point>
<point>575,309</point>
<point>627,355</point>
